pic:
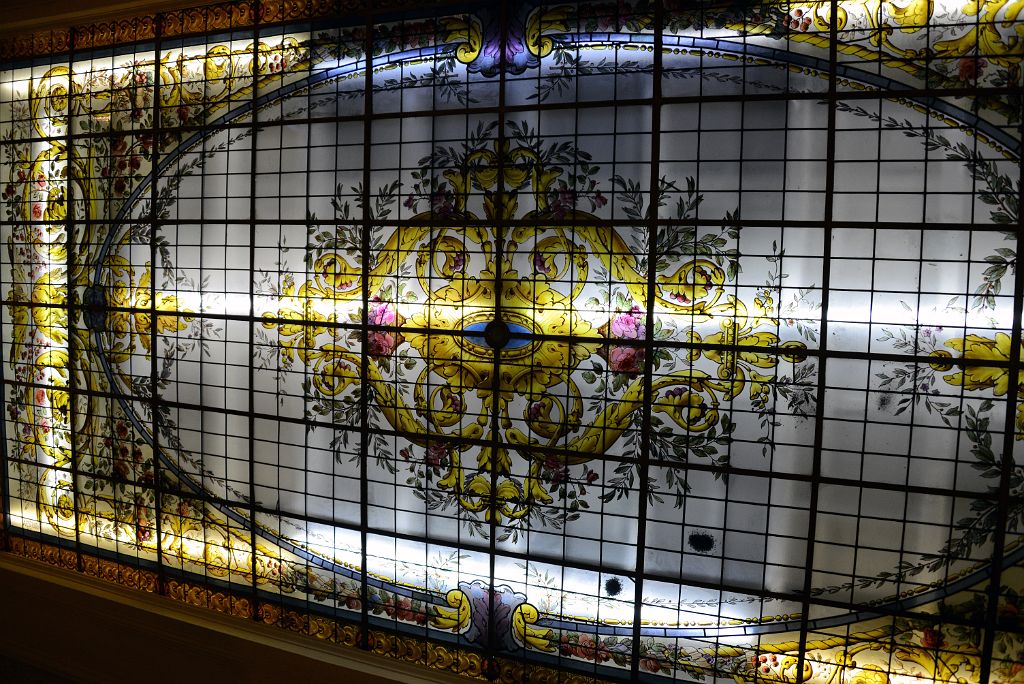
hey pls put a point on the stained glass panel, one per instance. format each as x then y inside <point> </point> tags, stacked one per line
<point>645,341</point>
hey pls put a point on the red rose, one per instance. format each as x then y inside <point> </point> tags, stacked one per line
<point>404,610</point>
<point>559,475</point>
<point>380,343</point>
<point>436,453</point>
<point>971,68</point>
<point>121,469</point>
<point>931,638</point>
<point>651,664</point>
<point>626,359</point>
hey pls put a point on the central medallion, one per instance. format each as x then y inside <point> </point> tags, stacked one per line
<point>563,298</point>
<point>497,334</point>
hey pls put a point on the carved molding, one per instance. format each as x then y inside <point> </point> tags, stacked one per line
<point>132,22</point>
<point>397,656</point>
<point>93,597</point>
<point>30,34</point>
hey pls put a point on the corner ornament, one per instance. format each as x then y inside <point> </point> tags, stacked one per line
<point>476,611</point>
<point>480,43</point>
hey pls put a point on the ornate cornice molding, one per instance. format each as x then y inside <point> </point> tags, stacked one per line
<point>132,23</point>
<point>99,595</point>
<point>136,21</point>
<point>236,616</point>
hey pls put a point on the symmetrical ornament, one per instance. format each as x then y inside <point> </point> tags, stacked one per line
<point>467,272</point>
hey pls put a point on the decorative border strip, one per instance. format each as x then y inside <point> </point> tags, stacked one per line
<point>238,14</point>
<point>190,21</point>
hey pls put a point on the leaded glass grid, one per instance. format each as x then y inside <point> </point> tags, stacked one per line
<point>644,341</point>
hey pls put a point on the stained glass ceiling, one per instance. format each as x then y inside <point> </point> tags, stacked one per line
<point>640,341</point>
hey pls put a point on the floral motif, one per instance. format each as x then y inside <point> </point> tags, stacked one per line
<point>623,358</point>
<point>971,68</point>
<point>382,342</point>
<point>446,309</point>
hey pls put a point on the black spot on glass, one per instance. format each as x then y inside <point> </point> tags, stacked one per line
<point>612,586</point>
<point>701,542</point>
<point>497,334</point>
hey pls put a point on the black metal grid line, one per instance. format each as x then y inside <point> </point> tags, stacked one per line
<point>251,394</point>
<point>881,608</point>
<point>782,476</point>
<point>72,376</point>
<point>1010,434</point>
<point>643,470</point>
<point>495,442</point>
<point>869,96</point>
<point>628,223</point>
<point>364,359</point>
<point>819,417</point>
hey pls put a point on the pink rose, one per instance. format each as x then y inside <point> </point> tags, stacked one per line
<point>382,342</point>
<point>381,313</point>
<point>629,325</point>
